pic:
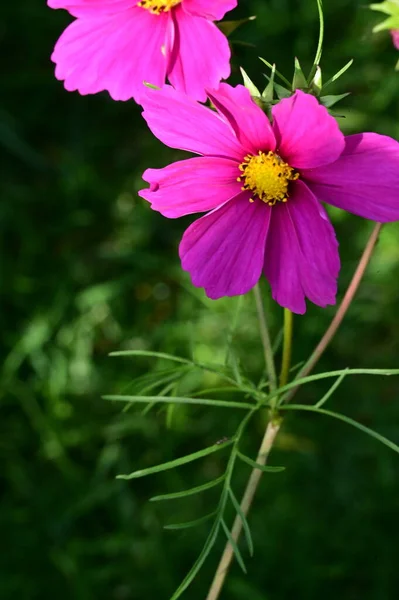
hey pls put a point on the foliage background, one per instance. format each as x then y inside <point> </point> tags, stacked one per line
<point>87,268</point>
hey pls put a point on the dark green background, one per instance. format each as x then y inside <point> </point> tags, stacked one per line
<point>87,268</point>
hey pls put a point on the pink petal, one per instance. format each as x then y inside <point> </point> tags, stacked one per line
<point>209,9</point>
<point>79,8</point>
<point>180,122</point>
<point>114,52</point>
<point>224,251</point>
<point>201,55</point>
<point>307,136</point>
<point>249,122</point>
<point>190,186</point>
<point>302,258</point>
<point>395,37</point>
<point>364,180</point>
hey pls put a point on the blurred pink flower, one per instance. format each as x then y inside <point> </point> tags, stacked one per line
<point>261,185</point>
<point>395,37</point>
<point>116,45</point>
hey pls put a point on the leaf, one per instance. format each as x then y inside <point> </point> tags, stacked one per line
<point>191,491</point>
<point>189,524</point>
<point>177,462</point>
<point>338,74</point>
<point>236,549</point>
<point>332,389</point>
<point>256,465</point>
<point>277,72</point>
<point>301,381</point>
<point>210,541</point>
<point>179,400</point>
<point>244,522</point>
<point>345,419</point>
<point>185,361</point>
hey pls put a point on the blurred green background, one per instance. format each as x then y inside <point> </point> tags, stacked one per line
<point>87,269</point>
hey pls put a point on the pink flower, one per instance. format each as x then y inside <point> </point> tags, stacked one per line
<point>116,45</point>
<point>261,185</point>
<point>395,37</point>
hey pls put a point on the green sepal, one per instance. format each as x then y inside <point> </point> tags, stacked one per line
<point>268,92</point>
<point>389,7</point>
<point>249,84</point>
<point>299,80</point>
<point>329,101</point>
<point>316,84</point>
<point>390,23</point>
<point>228,27</point>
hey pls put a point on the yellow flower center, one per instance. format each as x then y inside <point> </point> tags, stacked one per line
<point>156,7</point>
<point>267,176</point>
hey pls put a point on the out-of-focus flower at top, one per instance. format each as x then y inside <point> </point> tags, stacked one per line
<point>116,45</point>
<point>261,184</point>
<point>391,23</point>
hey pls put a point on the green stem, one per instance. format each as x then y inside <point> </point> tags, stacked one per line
<point>266,343</point>
<point>287,347</point>
<point>320,43</point>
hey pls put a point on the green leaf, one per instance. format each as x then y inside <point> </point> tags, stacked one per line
<point>191,491</point>
<point>189,524</point>
<point>345,419</point>
<point>256,465</point>
<point>236,549</point>
<point>329,101</point>
<point>210,541</point>
<point>179,400</point>
<point>253,90</point>
<point>277,72</point>
<point>185,361</point>
<point>332,389</point>
<point>301,381</point>
<point>338,74</point>
<point>177,462</point>
<point>244,522</point>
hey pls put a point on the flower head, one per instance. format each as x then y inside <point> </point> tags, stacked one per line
<point>116,45</point>
<point>261,184</point>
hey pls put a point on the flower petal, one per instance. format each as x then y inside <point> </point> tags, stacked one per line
<point>190,186</point>
<point>180,122</point>
<point>224,251</point>
<point>114,52</point>
<point>301,257</point>
<point>307,136</point>
<point>249,122</point>
<point>364,180</point>
<point>209,8</point>
<point>201,55</point>
<point>79,8</point>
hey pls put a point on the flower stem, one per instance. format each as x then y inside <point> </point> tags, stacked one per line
<point>287,346</point>
<point>271,432</point>
<point>265,337</point>
<point>341,312</point>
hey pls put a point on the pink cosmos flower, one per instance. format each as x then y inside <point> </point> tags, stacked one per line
<point>395,37</point>
<point>261,185</point>
<point>116,45</point>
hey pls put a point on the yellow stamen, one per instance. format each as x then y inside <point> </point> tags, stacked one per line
<point>267,176</point>
<point>156,7</point>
